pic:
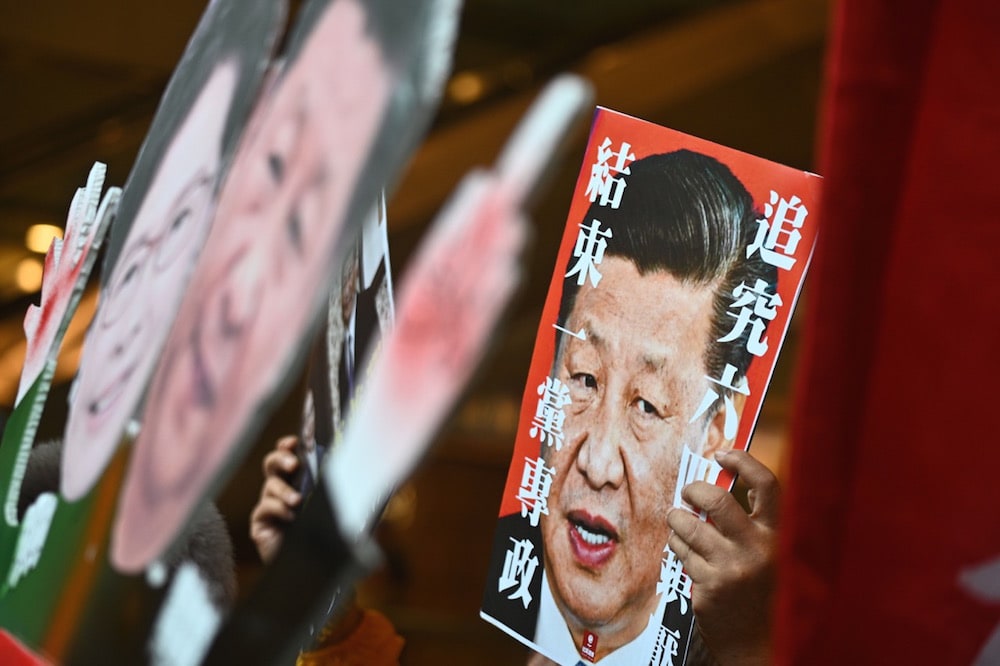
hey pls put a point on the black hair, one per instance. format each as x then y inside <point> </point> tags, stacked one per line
<point>240,30</point>
<point>686,214</point>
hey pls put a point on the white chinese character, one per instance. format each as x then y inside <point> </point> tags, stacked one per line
<point>549,415</point>
<point>726,382</point>
<point>674,582</point>
<point>534,492</point>
<point>187,621</point>
<point>666,647</point>
<point>765,306</point>
<point>32,537</point>
<point>602,183</point>
<point>778,233</point>
<point>693,468</point>
<point>589,251</point>
<point>518,570</point>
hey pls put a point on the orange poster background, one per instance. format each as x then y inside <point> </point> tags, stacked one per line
<point>758,175</point>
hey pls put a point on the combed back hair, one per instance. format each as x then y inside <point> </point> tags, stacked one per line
<point>686,214</point>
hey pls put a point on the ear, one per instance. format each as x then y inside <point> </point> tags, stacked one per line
<point>715,439</point>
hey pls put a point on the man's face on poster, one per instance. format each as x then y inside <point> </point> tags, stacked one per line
<point>146,284</point>
<point>279,213</point>
<point>277,219</point>
<point>635,382</point>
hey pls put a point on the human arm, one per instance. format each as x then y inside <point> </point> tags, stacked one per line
<point>352,636</point>
<point>278,502</point>
<point>731,560</point>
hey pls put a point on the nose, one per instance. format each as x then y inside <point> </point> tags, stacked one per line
<point>599,456</point>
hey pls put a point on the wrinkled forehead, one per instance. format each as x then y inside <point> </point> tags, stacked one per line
<point>336,57</point>
<point>654,314</point>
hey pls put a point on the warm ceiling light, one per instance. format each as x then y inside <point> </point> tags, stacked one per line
<point>28,275</point>
<point>39,237</point>
<point>466,87</point>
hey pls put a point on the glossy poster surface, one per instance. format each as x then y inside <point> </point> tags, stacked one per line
<point>675,281</point>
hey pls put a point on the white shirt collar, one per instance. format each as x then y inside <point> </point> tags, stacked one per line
<point>556,642</point>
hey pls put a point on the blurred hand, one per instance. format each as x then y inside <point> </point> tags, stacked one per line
<point>731,560</point>
<point>278,501</point>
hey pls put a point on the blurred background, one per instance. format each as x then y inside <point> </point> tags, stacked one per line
<point>81,82</point>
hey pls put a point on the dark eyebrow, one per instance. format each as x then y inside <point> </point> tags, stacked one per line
<point>276,166</point>
<point>594,339</point>
<point>194,183</point>
<point>127,261</point>
<point>203,176</point>
<point>294,228</point>
<point>653,363</point>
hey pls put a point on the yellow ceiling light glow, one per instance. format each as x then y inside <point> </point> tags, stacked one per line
<point>28,275</point>
<point>39,237</point>
<point>466,87</point>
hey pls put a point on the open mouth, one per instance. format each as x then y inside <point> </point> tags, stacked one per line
<point>593,539</point>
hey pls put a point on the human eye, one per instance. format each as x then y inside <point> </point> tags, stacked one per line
<point>125,282</point>
<point>305,217</point>
<point>647,408</point>
<point>276,167</point>
<point>294,229</point>
<point>583,371</point>
<point>283,144</point>
<point>583,383</point>
<point>583,388</point>
<point>584,380</point>
<point>191,207</point>
<point>130,274</point>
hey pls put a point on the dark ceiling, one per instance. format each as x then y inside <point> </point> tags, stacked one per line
<point>83,78</point>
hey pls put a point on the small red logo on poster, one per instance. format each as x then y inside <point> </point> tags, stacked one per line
<point>589,649</point>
